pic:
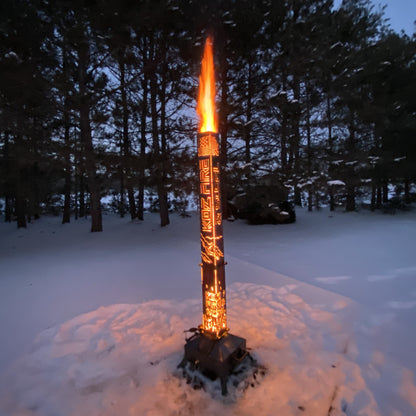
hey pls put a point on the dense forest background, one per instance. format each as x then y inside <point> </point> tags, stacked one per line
<point>97,99</point>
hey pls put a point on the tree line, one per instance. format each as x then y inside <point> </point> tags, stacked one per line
<point>98,98</point>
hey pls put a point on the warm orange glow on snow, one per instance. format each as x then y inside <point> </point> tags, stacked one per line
<point>206,97</point>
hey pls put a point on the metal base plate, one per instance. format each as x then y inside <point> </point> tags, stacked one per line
<point>215,357</point>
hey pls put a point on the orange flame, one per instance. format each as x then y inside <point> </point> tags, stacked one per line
<point>206,98</point>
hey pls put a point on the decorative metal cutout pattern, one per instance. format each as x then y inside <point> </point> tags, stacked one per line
<point>208,146</point>
<point>212,244</point>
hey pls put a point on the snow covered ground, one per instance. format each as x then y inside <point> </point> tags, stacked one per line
<point>93,323</point>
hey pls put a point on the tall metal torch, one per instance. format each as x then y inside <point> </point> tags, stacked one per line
<point>214,318</point>
<point>212,349</point>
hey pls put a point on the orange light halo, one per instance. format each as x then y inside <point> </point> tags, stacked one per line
<point>206,97</point>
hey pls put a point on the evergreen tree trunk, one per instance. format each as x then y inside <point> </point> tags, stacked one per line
<point>317,199</point>
<point>385,191</point>
<point>76,195</point>
<point>329,121</point>
<point>249,111</point>
<point>284,132</point>
<point>67,161</point>
<point>310,198</point>
<point>294,152</point>
<point>330,144</point>
<point>7,184</point>
<point>132,203</point>
<point>350,186</point>
<point>20,199</point>
<point>297,196</point>
<point>283,144</point>
<point>34,192</point>
<point>8,209</point>
<point>126,138</point>
<point>308,143</point>
<point>76,178</point>
<point>143,116</point>
<point>163,196</point>
<point>373,195</point>
<point>331,198</point>
<point>121,197</point>
<point>158,173</point>
<point>20,206</point>
<point>407,191</point>
<point>81,196</point>
<point>379,197</point>
<point>33,172</point>
<point>86,139</point>
<point>350,201</point>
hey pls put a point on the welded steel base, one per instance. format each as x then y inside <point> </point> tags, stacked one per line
<point>215,357</point>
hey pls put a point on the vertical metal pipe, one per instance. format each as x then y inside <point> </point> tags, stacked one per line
<point>214,319</point>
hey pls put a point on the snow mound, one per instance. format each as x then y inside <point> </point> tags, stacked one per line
<point>122,360</point>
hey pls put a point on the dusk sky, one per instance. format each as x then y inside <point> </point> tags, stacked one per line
<point>402,13</point>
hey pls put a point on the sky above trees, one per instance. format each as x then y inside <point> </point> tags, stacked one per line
<point>401,13</point>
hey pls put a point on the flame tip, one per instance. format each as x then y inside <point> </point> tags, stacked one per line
<point>206,98</point>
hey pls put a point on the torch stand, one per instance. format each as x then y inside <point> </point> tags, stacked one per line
<point>212,350</point>
<point>215,357</point>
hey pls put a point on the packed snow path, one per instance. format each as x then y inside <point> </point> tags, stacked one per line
<point>337,333</point>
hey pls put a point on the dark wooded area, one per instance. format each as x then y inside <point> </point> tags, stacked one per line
<point>97,98</point>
